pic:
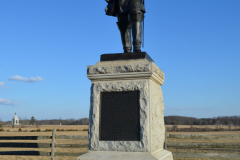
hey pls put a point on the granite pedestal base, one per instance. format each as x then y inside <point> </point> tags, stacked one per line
<point>108,155</point>
<point>122,75</point>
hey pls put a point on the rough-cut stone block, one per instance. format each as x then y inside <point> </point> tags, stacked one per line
<point>129,146</point>
<point>121,76</point>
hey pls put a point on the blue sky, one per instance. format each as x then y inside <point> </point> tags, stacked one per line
<point>45,47</point>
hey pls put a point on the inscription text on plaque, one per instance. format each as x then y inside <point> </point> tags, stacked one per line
<point>119,116</point>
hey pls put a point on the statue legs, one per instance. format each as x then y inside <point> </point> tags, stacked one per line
<point>136,18</point>
<point>125,28</point>
<point>125,25</point>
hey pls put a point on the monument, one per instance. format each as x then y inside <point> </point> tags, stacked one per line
<point>15,120</point>
<point>126,119</point>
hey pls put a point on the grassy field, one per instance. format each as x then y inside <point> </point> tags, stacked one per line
<point>217,132</point>
<point>201,128</point>
<point>204,126</point>
<point>220,140</point>
<point>80,128</point>
<point>28,128</point>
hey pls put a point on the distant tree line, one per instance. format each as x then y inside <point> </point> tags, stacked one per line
<point>82,121</point>
<point>169,120</point>
<point>224,120</point>
<point>33,121</point>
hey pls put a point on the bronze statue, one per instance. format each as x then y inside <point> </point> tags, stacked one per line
<point>130,14</point>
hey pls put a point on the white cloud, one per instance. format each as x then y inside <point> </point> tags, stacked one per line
<point>1,83</point>
<point>30,80</point>
<point>8,102</point>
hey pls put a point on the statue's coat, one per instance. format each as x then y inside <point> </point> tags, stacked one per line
<point>115,7</point>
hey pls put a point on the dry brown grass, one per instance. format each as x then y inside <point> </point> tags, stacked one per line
<point>179,140</point>
<point>14,132</point>
<point>195,159</point>
<point>44,127</point>
<point>204,126</point>
<point>217,132</point>
<point>83,133</point>
<point>209,150</point>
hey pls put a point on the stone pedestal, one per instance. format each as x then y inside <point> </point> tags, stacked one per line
<point>140,75</point>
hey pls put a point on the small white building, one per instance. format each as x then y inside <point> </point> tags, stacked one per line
<point>15,120</point>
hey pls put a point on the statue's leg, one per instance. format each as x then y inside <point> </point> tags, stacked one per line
<point>136,18</point>
<point>124,26</point>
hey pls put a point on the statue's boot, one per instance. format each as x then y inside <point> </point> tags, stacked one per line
<point>136,31</point>
<point>125,30</point>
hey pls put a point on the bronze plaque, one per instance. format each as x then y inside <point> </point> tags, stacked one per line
<point>119,116</point>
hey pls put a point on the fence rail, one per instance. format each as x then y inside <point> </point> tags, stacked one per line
<point>25,137</point>
<point>25,145</point>
<point>39,153</point>
<point>26,153</point>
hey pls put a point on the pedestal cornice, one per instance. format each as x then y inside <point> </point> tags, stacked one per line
<point>125,70</point>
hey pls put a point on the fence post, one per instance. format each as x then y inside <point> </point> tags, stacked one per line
<point>53,144</point>
<point>165,143</point>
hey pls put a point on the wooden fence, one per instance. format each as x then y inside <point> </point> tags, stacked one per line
<point>222,147</point>
<point>52,145</point>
